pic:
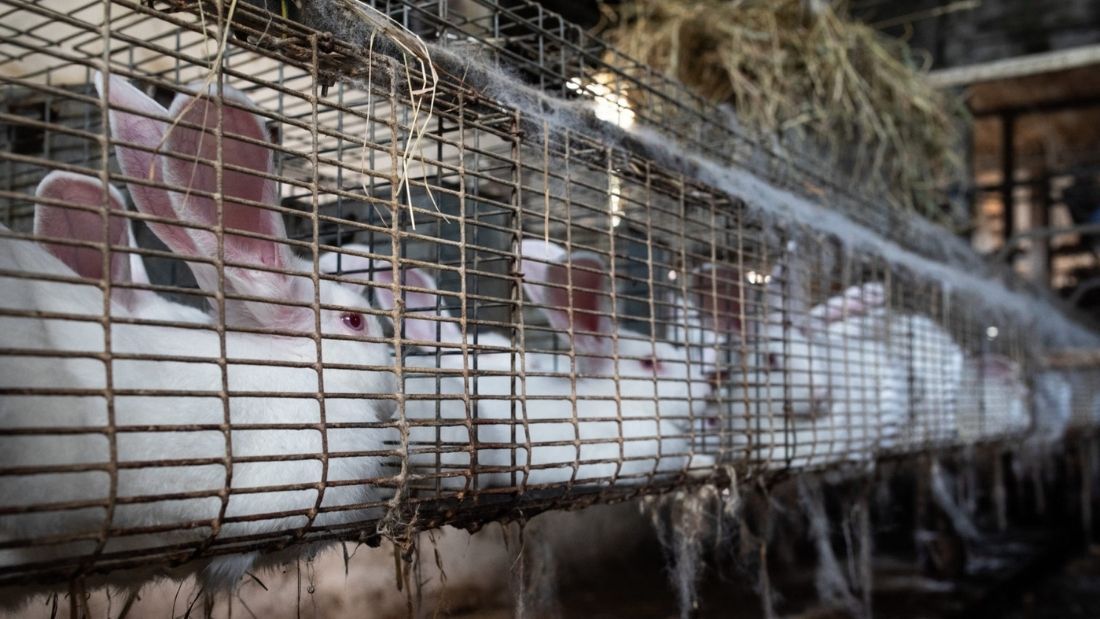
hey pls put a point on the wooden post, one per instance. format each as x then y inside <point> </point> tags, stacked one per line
<point>1008,175</point>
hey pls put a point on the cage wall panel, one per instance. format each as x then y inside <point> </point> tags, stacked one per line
<point>347,307</point>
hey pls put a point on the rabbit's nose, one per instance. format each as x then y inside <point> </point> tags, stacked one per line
<point>717,378</point>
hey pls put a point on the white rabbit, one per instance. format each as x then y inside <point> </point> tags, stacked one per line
<point>996,399</point>
<point>930,357</point>
<point>277,471</point>
<point>250,179</point>
<point>52,219</point>
<point>811,398</point>
<point>438,330</point>
<point>442,401</point>
<point>629,416</point>
<point>704,322</point>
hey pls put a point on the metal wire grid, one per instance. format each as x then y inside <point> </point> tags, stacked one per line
<point>570,61</point>
<point>647,246</point>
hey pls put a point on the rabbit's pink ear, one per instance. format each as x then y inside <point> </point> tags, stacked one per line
<point>854,301</point>
<point>573,293</point>
<point>786,293</point>
<point>419,303</point>
<point>589,300</point>
<point>52,220</point>
<point>246,166</point>
<point>716,291</point>
<point>138,125</point>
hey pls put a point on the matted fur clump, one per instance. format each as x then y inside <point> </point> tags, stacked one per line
<point>803,72</point>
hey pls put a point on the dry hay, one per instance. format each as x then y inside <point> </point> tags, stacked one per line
<point>803,72</point>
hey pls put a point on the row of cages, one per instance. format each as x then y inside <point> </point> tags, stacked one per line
<point>244,309</point>
<point>534,45</point>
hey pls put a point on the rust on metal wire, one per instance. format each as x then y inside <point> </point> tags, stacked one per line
<point>258,293</point>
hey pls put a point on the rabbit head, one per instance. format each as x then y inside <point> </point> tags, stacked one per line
<point>356,269</point>
<point>783,368</point>
<point>421,305</point>
<point>572,291</point>
<point>425,319</point>
<point>859,312</point>
<point>705,319</point>
<point>786,371</point>
<point>266,285</point>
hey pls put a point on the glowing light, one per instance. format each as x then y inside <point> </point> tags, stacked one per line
<point>992,332</point>
<point>672,275</point>
<point>610,105</point>
<point>757,278</point>
<point>615,201</point>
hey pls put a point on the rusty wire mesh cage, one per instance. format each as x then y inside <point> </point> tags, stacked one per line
<point>267,284</point>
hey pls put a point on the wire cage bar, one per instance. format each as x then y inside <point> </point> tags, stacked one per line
<point>264,287</point>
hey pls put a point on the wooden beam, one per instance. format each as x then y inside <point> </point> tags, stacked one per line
<point>1040,218</point>
<point>1040,107</point>
<point>1020,66</point>
<point>1008,176</point>
<point>1074,358</point>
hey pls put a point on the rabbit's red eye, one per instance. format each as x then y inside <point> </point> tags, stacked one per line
<point>353,320</point>
<point>651,364</point>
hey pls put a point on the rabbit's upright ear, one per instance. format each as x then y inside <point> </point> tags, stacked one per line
<point>178,148</point>
<point>856,300</point>
<point>536,257</point>
<point>573,292</point>
<point>418,302</point>
<point>247,170</point>
<point>254,236</point>
<point>785,292</point>
<point>688,328</point>
<point>138,127</point>
<point>52,220</point>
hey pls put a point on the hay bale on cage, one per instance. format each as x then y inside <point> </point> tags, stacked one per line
<point>803,72</point>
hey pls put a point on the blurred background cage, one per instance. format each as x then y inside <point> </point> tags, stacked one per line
<point>582,316</point>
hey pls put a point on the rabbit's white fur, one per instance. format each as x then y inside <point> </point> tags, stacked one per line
<point>423,322</point>
<point>528,424</point>
<point>806,403</point>
<point>202,377</point>
<point>249,377</point>
<point>996,400</point>
<point>930,358</point>
<point>811,388</point>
